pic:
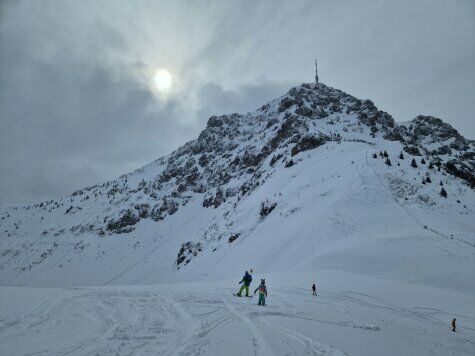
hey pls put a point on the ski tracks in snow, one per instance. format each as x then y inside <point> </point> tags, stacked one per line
<point>113,321</point>
<point>137,321</point>
<point>100,322</point>
<point>261,346</point>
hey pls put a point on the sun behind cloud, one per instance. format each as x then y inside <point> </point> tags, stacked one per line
<point>163,80</point>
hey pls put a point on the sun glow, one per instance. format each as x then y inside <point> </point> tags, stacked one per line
<point>163,80</point>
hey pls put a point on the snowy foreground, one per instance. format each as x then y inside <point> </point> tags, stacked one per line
<point>353,314</point>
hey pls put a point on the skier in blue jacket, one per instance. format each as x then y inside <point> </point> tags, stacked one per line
<point>246,282</point>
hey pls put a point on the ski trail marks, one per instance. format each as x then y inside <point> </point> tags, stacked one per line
<point>261,347</point>
<point>313,346</point>
<point>134,321</point>
<point>97,321</point>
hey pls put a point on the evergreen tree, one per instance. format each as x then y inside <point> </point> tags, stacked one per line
<point>388,162</point>
<point>385,154</point>
<point>423,161</point>
<point>380,153</point>
<point>401,156</point>
<point>428,180</point>
<point>431,165</point>
<point>423,181</point>
<point>375,155</point>
<point>398,164</point>
<point>413,163</point>
<point>441,183</point>
<point>443,193</point>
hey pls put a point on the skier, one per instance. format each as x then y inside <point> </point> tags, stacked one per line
<point>453,324</point>
<point>314,289</point>
<point>246,281</point>
<point>262,293</point>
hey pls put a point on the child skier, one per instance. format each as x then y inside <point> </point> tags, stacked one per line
<point>314,289</point>
<point>246,280</point>
<point>262,293</point>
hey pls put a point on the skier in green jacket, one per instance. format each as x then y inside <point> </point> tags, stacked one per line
<point>262,292</point>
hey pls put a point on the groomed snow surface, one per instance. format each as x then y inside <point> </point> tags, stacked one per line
<point>352,314</point>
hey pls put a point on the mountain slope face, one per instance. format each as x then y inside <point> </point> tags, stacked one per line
<point>316,179</point>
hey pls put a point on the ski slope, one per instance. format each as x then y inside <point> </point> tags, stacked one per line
<point>352,315</point>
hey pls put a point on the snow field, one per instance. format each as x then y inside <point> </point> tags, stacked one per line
<point>352,314</point>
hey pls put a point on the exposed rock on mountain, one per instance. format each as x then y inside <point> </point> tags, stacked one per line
<point>295,155</point>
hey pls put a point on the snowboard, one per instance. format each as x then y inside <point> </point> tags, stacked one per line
<point>249,296</point>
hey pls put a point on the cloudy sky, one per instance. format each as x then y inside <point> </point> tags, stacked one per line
<point>79,104</point>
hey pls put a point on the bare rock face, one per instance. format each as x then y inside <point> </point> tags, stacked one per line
<point>308,143</point>
<point>124,223</point>
<point>187,251</point>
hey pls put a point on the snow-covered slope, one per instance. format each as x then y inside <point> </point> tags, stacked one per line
<point>300,184</point>
<point>351,315</point>
<point>315,186</point>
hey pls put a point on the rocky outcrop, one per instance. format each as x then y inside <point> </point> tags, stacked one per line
<point>187,251</point>
<point>308,143</point>
<point>124,223</point>
<point>430,136</point>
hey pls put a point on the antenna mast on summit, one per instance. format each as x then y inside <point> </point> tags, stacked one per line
<point>316,71</point>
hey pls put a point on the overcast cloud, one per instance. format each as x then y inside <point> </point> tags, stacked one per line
<point>78,106</point>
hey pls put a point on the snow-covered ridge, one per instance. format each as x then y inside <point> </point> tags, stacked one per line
<point>210,196</point>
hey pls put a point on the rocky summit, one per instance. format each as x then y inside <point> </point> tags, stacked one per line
<point>314,174</point>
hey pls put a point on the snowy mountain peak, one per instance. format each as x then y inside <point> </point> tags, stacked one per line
<point>300,175</point>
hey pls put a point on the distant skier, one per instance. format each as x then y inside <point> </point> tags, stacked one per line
<point>262,293</point>
<point>314,289</point>
<point>453,324</point>
<point>246,282</point>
